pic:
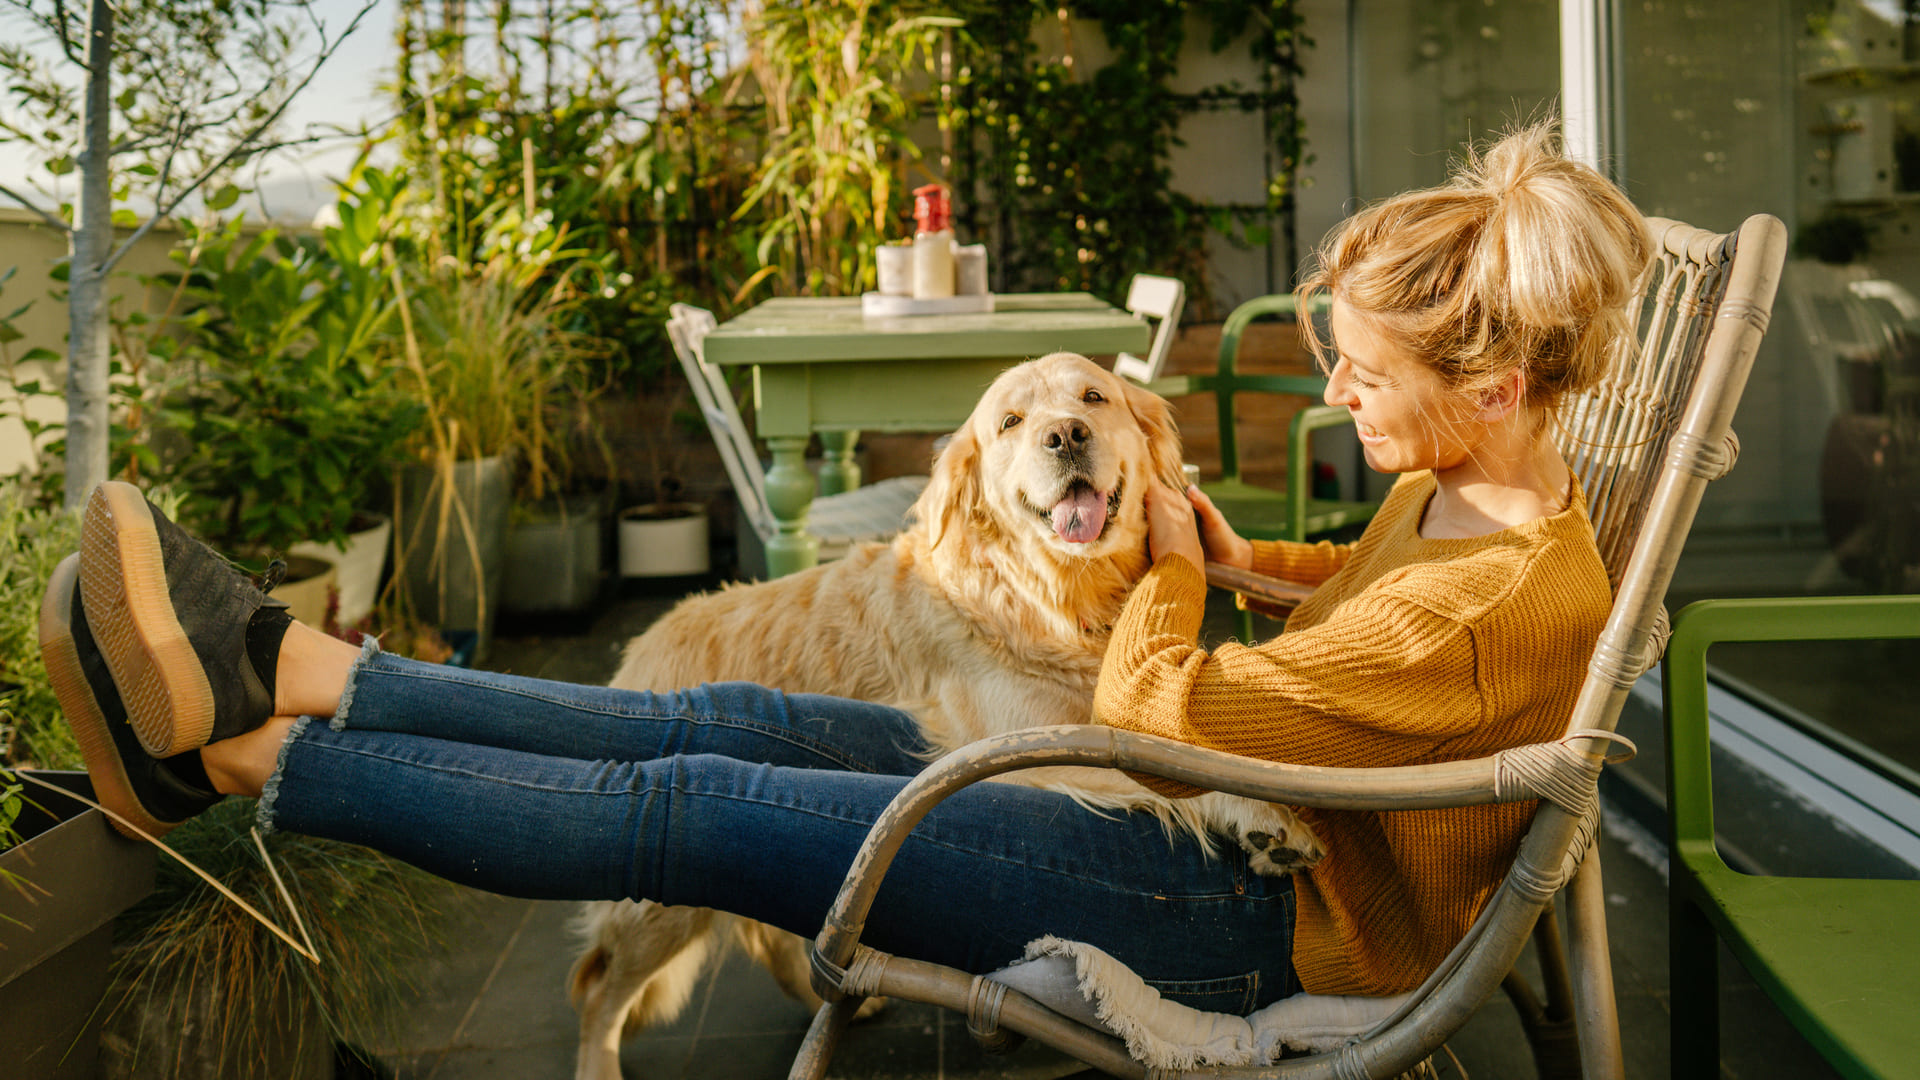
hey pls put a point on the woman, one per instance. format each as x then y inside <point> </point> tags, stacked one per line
<point>1459,624</point>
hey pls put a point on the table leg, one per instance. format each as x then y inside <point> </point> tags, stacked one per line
<point>838,472</point>
<point>789,493</point>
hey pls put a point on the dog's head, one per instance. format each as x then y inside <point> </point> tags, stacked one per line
<point>1054,465</point>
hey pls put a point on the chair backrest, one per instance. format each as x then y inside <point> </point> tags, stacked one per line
<point>1618,437</point>
<point>1227,379</point>
<point>1159,300</point>
<point>687,329</point>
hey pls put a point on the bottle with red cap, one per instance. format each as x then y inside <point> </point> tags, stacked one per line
<point>932,243</point>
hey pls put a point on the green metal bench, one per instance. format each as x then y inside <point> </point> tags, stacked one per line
<point>1838,956</point>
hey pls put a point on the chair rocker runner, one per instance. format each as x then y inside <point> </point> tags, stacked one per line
<point>1644,446</point>
<point>871,512</point>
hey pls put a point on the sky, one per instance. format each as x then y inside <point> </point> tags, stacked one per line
<point>345,92</point>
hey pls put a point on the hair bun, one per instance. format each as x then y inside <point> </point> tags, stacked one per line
<point>1524,259</point>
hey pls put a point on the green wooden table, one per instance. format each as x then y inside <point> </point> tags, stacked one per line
<point>819,366</point>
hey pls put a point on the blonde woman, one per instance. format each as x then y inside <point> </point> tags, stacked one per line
<point>1458,624</point>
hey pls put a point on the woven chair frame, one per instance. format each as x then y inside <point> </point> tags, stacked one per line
<point>1644,446</point>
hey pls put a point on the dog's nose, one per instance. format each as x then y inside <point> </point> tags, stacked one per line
<point>1066,436</point>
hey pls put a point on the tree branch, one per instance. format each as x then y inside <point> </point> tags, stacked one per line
<point>246,144</point>
<point>52,220</point>
<point>60,28</point>
<point>160,188</point>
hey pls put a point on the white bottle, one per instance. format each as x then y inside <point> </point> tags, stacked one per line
<point>932,244</point>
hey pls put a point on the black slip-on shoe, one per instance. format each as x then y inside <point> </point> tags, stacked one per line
<point>172,618</point>
<point>154,794</point>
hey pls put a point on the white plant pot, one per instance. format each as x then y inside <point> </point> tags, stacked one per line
<point>654,544</point>
<point>307,595</point>
<point>359,564</point>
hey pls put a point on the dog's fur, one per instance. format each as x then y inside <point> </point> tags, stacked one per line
<point>989,612</point>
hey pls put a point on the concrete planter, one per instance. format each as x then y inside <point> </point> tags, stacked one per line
<point>55,940</point>
<point>553,558</point>
<point>452,564</point>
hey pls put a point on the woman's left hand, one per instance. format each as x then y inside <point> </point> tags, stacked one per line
<point>1171,528</point>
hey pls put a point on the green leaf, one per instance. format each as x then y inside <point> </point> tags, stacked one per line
<point>226,196</point>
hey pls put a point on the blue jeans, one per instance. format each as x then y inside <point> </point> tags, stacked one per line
<point>746,799</point>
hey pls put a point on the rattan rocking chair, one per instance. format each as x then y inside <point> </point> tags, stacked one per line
<point>1644,447</point>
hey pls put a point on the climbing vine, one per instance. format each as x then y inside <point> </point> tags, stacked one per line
<point>1067,171</point>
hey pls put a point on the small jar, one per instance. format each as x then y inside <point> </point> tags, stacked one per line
<point>932,244</point>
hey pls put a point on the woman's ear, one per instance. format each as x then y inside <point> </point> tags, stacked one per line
<point>1500,401</point>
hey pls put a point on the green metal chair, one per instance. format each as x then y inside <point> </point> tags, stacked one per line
<point>1257,512</point>
<point>1254,511</point>
<point>1836,955</point>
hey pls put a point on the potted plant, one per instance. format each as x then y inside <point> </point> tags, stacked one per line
<point>202,989</point>
<point>283,417</point>
<point>488,352</point>
<point>557,521</point>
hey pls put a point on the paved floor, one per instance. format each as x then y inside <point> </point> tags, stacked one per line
<point>496,1005</point>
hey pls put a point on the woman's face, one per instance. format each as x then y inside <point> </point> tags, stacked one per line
<point>1405,416</point>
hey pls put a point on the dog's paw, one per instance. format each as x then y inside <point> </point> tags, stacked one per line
<point>1277,854</point>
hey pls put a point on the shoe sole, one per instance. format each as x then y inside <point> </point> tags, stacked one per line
<point>123,582</point>
<point>111,788</point>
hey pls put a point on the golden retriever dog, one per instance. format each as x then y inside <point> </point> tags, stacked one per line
<point>989,612</point>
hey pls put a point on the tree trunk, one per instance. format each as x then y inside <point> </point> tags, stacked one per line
<point>91,241</point>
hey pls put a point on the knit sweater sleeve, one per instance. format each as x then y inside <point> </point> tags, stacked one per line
<point>1386,681</point>
<point>1306,564</point>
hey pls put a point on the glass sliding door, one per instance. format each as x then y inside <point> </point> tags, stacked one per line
<point>1430,76</point>
<point>1811,112</point>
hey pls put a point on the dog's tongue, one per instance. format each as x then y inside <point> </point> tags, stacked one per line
<point>1080,516</point>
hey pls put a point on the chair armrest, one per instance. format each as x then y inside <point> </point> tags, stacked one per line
<point>1173,386</point>
<point>1280,594</point>
<point>1277,305</point>
<point>1406,787</point>
<point>1312,386</point>
<point>1683,681</point>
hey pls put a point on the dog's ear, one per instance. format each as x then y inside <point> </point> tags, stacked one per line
<point>953,491</point>
<point>1155,418</point>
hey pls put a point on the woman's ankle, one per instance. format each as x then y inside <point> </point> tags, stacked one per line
<point>311,672</point>
<point>243,764</point>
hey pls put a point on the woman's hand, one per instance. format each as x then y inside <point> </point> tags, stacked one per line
<point>1171,528</point>
<point>1192,526</point>
<point>1222,544</point>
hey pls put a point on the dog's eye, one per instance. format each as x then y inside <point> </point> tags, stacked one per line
<point>1009,420</point>
<point>1093,397</point>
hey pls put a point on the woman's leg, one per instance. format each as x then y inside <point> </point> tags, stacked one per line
<point>536,716</point>
<point>991,869</point>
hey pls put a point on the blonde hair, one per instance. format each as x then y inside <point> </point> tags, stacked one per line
<point>1524,260</point>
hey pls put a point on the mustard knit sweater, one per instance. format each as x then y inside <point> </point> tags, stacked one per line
<point>1411,651</point>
